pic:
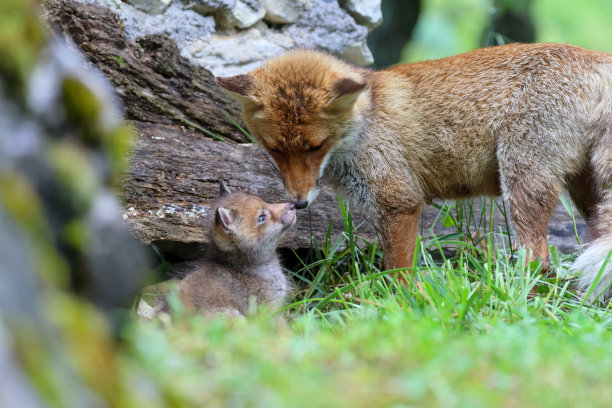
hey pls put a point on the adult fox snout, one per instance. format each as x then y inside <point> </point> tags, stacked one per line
<point>300,174</point>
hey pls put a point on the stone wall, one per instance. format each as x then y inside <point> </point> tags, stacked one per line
<point>230,37</point>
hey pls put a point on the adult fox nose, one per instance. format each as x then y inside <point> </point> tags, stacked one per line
<point>300,204</point>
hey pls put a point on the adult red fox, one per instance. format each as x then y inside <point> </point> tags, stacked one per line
<point>523,121</point>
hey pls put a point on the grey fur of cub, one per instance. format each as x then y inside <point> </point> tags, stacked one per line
<point>242,265</point>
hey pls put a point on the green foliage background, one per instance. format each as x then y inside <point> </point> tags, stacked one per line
<point>448,27</point>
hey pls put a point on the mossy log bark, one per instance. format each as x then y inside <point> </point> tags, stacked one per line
<point>175,171</point>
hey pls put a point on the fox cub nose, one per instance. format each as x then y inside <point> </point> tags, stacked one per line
<point>300,204</point>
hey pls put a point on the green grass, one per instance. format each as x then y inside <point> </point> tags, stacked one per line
<point>466,332</point>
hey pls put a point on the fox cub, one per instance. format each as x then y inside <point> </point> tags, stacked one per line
<point>523,121</point>
<point>242,264</point>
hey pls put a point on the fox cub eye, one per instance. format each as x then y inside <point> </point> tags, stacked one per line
<point>262,218</point>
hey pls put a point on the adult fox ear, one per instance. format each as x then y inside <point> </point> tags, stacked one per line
<point>223,190</point>
<point>347,91</point>
<point>240,88</point>
<point>224,217</point>
<point>237,86</point>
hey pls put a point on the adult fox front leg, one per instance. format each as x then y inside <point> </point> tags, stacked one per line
<point>523,121</point>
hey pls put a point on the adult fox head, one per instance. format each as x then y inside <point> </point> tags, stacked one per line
<point>299,106</point>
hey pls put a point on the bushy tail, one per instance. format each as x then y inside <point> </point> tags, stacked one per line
<point>596,256</point>
<point>596,260</point>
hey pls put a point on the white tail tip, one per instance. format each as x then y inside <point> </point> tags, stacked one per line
<point>596,257</point>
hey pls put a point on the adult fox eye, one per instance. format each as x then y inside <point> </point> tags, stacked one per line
<point>262,218</point>
<point>315,148</point>
<point>277,151</point>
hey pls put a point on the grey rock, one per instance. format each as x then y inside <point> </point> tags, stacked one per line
<point>366,12</point>
<point>181,24</point>
<point>358,53</point>
<point>280,11</point>
<point>40,263</point>
<point>229,37</point>
<point>325,26</point>
<point>206,7</point>
<point>244,14</point>
<point>244,51</point>
<point>151,6</point>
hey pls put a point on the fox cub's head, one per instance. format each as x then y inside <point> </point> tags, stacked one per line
<point>299,106</point>
<point>246,225</point>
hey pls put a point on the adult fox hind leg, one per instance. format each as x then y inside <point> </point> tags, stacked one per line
<point>582,190</point>
<point>531,182</point>
<point>530,210</point>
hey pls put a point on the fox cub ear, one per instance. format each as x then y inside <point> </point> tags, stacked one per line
<point>223,190</point>
<point>224,217</point>
<point>347,91</point>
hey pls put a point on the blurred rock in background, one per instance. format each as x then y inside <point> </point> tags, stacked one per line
<point>510,22</point>
<point>389,39</point>
<point>63,248</point>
